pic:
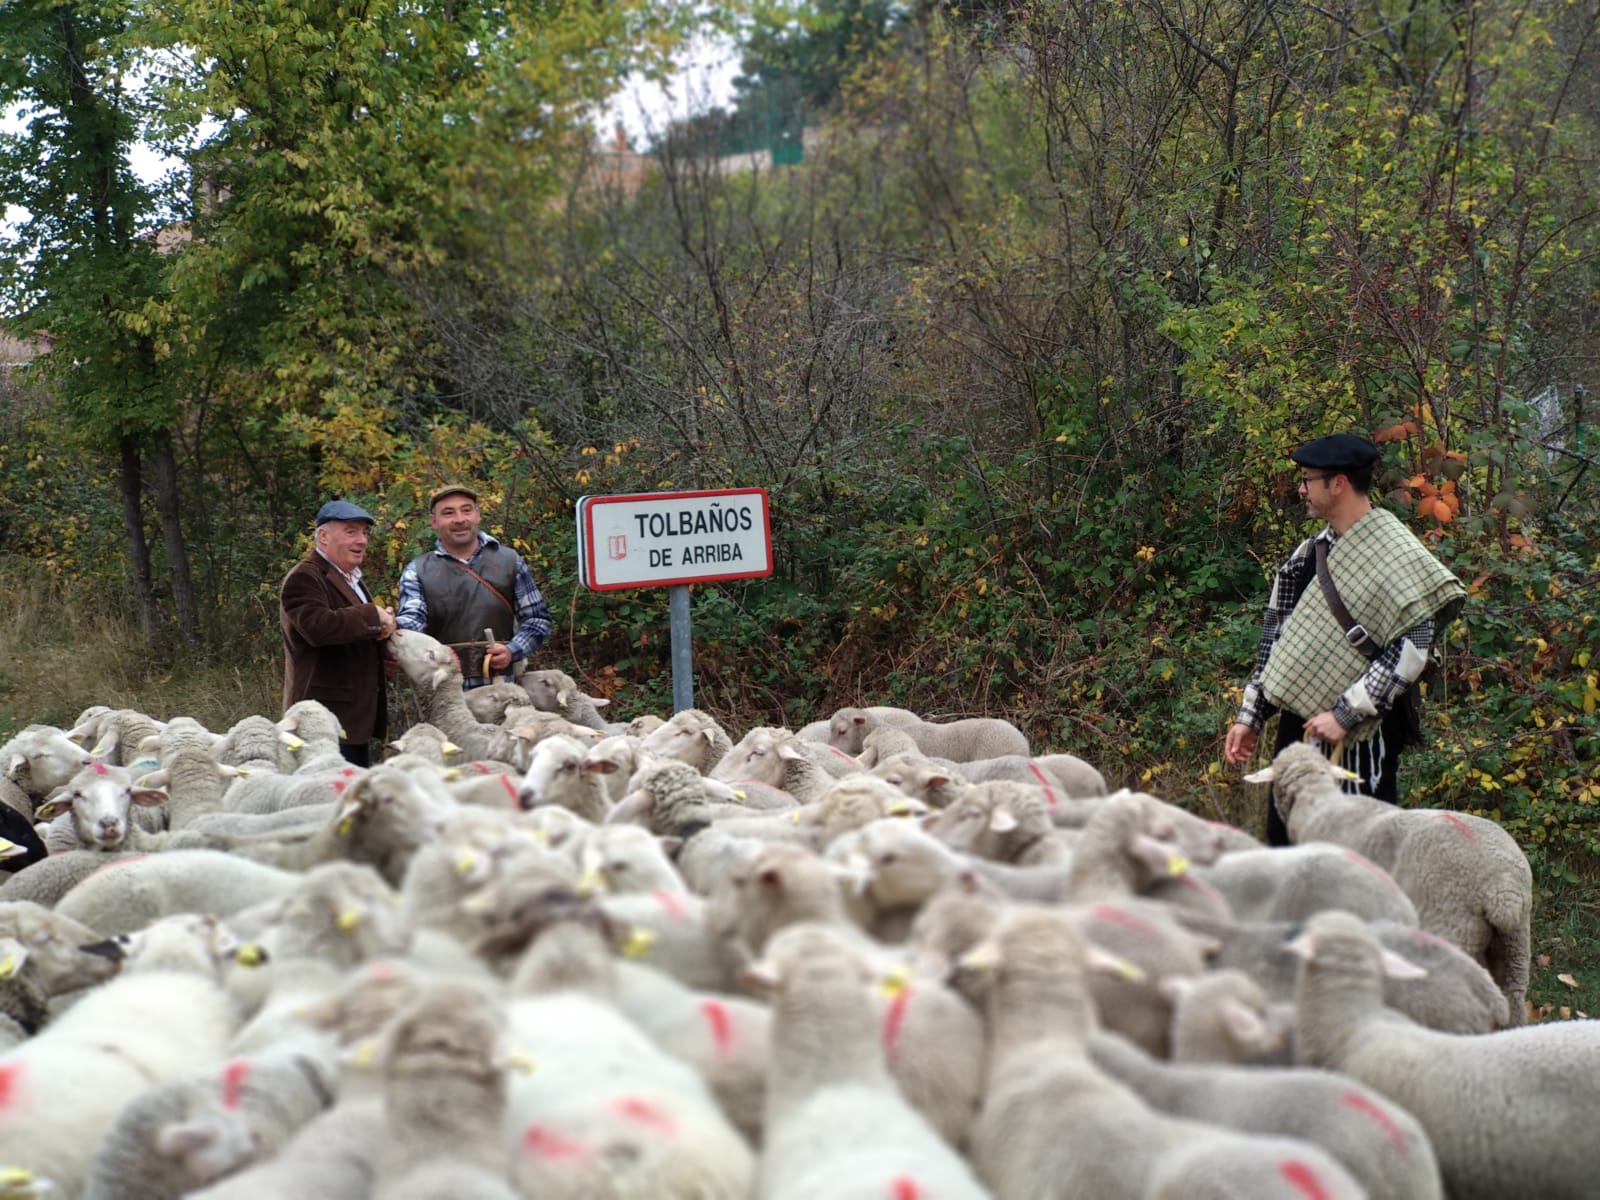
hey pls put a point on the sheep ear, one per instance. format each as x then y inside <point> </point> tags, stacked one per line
<point>1304,946</point>
<point>968,882</point>
<point>149,797</point>
<point>600,766</point>
<point>1396,966</point>
<point>1264,775</point>
<point>1161,859</point>
<point>52,808</point>
<point>1243,1023</point>
<point>984,957</point>
<point>14,763</point>
<point>156,779</point>
<point>1002,820</point>
<point>760,977</point>
<point>1103,962</point>
<point>13,956</point>
<point>929,821</point>
<point>179,1139</point>
<point>670,844</point>
<point>599,701</point>
<point>1175,989</point>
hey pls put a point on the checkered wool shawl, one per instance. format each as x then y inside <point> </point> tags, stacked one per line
<point>1389,582</point>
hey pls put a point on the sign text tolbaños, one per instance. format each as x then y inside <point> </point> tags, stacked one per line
<point>661,538</point>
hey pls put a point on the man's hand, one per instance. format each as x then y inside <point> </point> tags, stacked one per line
<point>386,624</point>
<point>1325,728</point>
<point>1241,743</point>
<point>499,657</point>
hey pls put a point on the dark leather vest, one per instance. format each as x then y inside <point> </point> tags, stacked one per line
<point>459,607</point>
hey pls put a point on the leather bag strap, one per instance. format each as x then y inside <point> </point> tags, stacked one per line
<point>1354,632</point>
<point>498,594</point>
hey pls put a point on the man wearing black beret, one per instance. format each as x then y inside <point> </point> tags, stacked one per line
<point>334,632</point>
<point>1347,630</point>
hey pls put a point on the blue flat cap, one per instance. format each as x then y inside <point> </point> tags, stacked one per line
<point>342,510</point>
<point>1337,451</point>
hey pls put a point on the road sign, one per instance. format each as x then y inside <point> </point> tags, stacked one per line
<point>659,539</point>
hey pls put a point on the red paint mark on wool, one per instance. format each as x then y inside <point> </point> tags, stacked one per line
<point>894,1019</point>
<point>511,788</point>
<point>903,1187</point>
<point>846,757</point>
<point>1462,827</point>
<point>233,1077</point>
<point>1303,1177</point>
<point>670,901</point>
<point>99,769</point>
<point>382,972</point>
<point>347,772</point>
<point>114,865</point>
<point>1201,886</point>
<point>716,1015</point>
<point>536,1139</point>
<point>339,786</point>
<point>1367,1108</point>
<point>1049,792</point>
<point>1375,869</point>
<point>637,1109</point>
<point>10,1081</point>
<point>1429,939</point>
<point>1115,916</point>
<point>480,768</point>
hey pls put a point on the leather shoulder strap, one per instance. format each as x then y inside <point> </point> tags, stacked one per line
<point>1354,633</point>
<point>498,594</point>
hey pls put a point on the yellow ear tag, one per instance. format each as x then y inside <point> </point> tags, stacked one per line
<point>899,809</point>
<point>477,904</point>
<point>639,942</point>
<point>895,982</point>
<point>249,956</point>
<point>1132,972</point>
<point>794,817</point>
<point>590,882</point>
<point>1177,864</point>
<point>16,1177</point>
<point>739,794</point>
<point>349,920</point>
<point>542,835</point>
<point>465,862</point>
<point>8,966</point>
<point>521,1061</point>
<point>366,1054</point>
<point>346,825</point>
<point>294,743</point>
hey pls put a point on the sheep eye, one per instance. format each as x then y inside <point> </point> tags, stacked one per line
<point>888,859</point>
<point>896,780</point>
<point>616,866</point>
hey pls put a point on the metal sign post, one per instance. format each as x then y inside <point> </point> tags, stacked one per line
<point>673,539</point>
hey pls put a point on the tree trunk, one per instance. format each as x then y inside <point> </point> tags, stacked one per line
<point>144,594</point>
<point>168,504</point>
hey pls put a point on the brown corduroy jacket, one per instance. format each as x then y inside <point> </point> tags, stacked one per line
<point>331,650</point>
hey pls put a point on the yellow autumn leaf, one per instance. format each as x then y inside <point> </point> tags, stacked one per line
<point>1568,980</point>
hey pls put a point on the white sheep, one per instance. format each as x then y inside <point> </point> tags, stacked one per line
<point>96,804</point>
<point>165,1016</point>
<point>965,740</point>
<point>1457,995</point>
<point>40,759</point>
<point>605,1114</point>
<point>1379,1143</point>
<point>835,1123</point>
<point>1508,1113</point>
<point>330,1158</point>
<point>1004,822</point>
<point>444,1060</point>
<point>54,945</point>
<point>690,736</point>
<point>1052,1123</point>
<point>1292,883</point>
<point>435,675</point>
<point>428,741</point>
<point>778,759</point>
<point>187,1133</point>
<point>1224,1016</point>
<point>557,692</point>
<point>1467,876</point>
<point>626,858</point>
<point>24,1003</point>
<point>131,892</point>
<point>560,772</point>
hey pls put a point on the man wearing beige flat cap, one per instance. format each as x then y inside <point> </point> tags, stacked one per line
<point>468,583</point>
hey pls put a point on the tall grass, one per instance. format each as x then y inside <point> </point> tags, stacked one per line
<point>60,653</point>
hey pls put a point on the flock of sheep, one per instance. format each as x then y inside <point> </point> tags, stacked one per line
<point>535,955</point>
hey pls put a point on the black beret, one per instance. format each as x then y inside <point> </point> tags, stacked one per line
<point>1337,452</point>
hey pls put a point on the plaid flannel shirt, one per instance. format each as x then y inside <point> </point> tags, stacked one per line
<point>1386,676</point>
<point>533,615</point>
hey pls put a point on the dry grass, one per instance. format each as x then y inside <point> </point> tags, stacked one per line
<point>60,654</point>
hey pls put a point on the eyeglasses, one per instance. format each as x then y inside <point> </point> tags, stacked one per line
<point>1308,480</point>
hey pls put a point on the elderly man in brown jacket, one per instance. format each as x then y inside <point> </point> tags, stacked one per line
<point>333,632</point>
